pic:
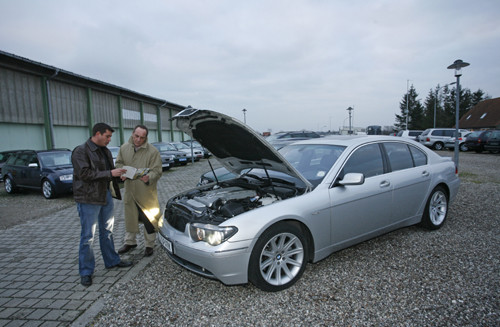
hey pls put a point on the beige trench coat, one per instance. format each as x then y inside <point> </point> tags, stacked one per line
<point>138,192</point>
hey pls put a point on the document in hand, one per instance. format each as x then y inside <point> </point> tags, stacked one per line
<point>133,173</point>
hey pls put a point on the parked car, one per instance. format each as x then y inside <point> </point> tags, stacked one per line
<point>197,145</point>
<point>411,134</point>
<point>281,139</point>
<point>476,140</point>
<point>166,149</point>
<point>4,155</point>
<point>114,152</point>
<point>492,144</point>
<point>449,143</point>
<point>299,204</point>
<point>50,171</point>
<point>190,153</point>
<point>435,138</point>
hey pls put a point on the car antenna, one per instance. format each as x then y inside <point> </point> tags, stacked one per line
<point>213,171</point>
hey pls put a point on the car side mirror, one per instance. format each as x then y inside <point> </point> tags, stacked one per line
<point>352,179</point>
<point>33,165</point>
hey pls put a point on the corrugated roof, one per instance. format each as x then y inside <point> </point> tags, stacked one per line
<point>16,62</point>
<point>486,114</point>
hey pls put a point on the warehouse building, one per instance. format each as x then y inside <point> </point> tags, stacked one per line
<point>44,107</point>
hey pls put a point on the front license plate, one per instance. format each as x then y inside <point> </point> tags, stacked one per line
<point>167,244</point>
<point>183,159</point>
<point>494,143</point>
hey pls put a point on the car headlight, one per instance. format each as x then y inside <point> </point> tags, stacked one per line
<point>212,234</point>
<point>66,178</point>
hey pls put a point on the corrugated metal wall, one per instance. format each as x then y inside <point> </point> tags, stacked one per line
<point>64,117</point>
<point>69,104</point>
<point>105,108</point>
<point>20,98</point>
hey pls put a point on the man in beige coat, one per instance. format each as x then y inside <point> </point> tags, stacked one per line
<point>141,195</point>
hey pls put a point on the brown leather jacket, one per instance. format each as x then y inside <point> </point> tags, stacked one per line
<point>91,176</point>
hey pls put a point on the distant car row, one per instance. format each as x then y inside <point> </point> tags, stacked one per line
<point>444,138</point>
<point>51,171</point>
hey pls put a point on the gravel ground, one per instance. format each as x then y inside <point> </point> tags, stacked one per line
<point>410,277</point>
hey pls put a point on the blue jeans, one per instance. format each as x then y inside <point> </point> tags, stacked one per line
<point>90,216</point>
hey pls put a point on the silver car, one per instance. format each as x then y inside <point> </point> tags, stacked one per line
<point>299,204</point>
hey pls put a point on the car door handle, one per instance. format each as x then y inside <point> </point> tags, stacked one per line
<point>425,173</point>
<point>385,183</point>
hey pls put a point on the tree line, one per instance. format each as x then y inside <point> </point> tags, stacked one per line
<point>438,109</point>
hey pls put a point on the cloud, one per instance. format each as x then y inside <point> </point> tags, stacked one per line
<point>291,64</point>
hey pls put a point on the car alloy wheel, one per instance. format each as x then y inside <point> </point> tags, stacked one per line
<point>9,185</point>
<point>279,257</point>
<point>438,146</point>
<point>47,189</point>
<point>463,147</point>
<point>436,209</point>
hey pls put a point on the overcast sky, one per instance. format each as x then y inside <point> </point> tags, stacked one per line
<point>291,64</point>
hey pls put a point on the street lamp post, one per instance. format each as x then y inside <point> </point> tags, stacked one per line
<point>435,100</point>
<point>457,66</point>
<point>244,115</point>
<point>350,125</point>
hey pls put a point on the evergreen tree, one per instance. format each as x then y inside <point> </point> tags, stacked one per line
<point>415,112</point>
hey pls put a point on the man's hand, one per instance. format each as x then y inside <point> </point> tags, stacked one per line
<point>145,179</point>
<point>118,172</point>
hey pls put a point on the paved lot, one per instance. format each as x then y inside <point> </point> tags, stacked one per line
<point>413,276</point>
<point>39,281</point>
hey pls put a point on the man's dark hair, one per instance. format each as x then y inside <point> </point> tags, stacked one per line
<point>143,127</point>
<point>101,128</point>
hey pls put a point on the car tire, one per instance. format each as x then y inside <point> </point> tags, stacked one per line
<point>47,189</point>
<point>436,209</point>
<point>463,147</point>
<point>278,258</point>
<point>9,185</point>
<point>438,146</point>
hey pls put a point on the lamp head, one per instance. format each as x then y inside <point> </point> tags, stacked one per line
<point>457,65</point>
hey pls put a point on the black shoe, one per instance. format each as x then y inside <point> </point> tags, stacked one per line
<point>148,252</point>
<point>125,248</point>
<point>86,280</point>
<point>124,264</point>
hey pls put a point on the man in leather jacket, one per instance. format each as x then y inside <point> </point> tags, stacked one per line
<point>94,185</point>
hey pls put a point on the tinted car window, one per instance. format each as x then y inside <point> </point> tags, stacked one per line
<point>419,157</point>
<point>23,159</point>
<point>399,156</point>
<point>366,160</point>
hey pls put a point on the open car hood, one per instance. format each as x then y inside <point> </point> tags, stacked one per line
<point>235,145</point>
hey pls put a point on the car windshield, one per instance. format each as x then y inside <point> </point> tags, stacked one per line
<point>313,161</point>
<point>181,146</point>
<point>114,152</point>
<point>165,147</point>
<point>55,159</point>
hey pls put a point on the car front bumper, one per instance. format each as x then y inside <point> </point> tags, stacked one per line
<point>227,262</point>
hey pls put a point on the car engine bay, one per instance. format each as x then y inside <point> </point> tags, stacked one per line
<point>215,203</point>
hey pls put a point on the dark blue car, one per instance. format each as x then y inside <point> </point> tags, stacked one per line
<point>49,170</point>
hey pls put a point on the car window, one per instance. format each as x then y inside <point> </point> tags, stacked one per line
<point>449,133</point>
<point>366,160</point>
<point>400,133</point>
<point>399,156</point>
<point>419,157</point>
<point>425,132</point>
<point>24,159</point>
